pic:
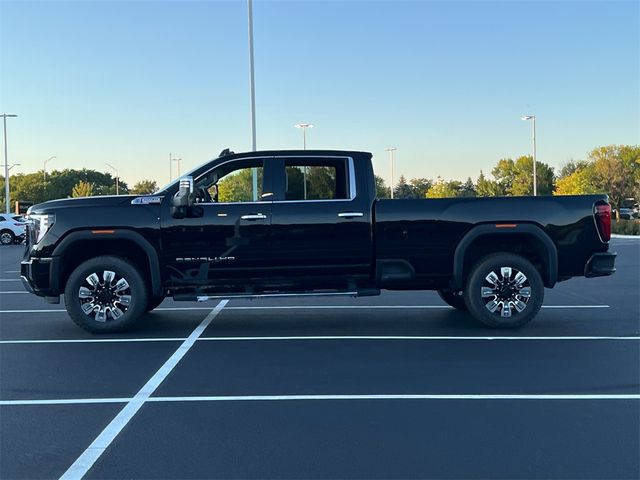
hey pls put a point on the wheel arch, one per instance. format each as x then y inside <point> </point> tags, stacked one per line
<point>527,237</point>
<point>82,245</point>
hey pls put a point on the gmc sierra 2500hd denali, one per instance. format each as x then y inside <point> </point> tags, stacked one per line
<point>313,227</point>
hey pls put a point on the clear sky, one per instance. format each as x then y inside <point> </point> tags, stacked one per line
<point>445,82</point>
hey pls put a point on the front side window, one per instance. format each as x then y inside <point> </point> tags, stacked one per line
<point>316,180</point>
<point>231,183</point>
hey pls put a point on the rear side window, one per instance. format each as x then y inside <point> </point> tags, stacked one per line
<point>309,179</point>
<point>2,219</point>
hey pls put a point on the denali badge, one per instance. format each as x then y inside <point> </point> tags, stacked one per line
<point>203,259</point>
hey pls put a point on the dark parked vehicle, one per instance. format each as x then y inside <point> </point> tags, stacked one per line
<point>312,227</point>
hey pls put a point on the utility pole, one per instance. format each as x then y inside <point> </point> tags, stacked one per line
<point>7,199</point>
<point>535,176</point>
<point>303,127</point>
<point>44,174</point>
<point>252,87</point>
<point>391,150</point>
<point>117,177</point>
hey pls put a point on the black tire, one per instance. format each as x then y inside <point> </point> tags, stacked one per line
<point>7,237</point>
<point>153,302</point>
<point>504,299</point>
<point>108,305</point>
<point>453,299</point>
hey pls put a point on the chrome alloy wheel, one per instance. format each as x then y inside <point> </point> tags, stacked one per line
<point>6,238</point>
<point>506,291</point>
<point>106,299</point>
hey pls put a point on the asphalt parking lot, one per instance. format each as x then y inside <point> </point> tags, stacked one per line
<point>396,386</point>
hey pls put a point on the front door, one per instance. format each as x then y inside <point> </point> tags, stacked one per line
<point>226,237</point>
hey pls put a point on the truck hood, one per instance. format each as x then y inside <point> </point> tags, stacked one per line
<point>97,201</point>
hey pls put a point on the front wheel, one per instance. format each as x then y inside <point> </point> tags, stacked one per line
<point>504,290</point>
<point>105,294</point>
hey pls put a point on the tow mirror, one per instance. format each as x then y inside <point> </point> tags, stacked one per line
<point>184,198</point>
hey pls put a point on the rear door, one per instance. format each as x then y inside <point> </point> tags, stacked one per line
<point>320,224</point>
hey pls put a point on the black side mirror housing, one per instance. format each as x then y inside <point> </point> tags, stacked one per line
<point>184,199</point>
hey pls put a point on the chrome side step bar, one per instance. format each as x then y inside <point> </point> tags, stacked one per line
<point>204,298</point>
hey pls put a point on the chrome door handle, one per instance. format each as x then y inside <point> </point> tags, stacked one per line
<point>254,216</point>
<point>350,214</point>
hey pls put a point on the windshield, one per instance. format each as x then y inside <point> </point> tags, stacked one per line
<point>176,180</point>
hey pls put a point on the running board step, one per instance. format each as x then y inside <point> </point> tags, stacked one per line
<point>190,297</point>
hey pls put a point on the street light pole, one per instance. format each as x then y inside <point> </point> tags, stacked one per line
<point>252,87</point>
<point>391,150</point>
<point>44,174</point>
<point>117,177</point>
<point>535,176</point>
<point>304,127</point>
<point>177,160</point>
<point>6,164</point>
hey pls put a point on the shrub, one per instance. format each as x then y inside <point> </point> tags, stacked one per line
<point>625,227</point>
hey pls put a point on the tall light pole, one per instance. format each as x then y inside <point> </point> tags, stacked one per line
<point>252,87</point>
<point>304,127</point>
<point>117,177</point>
<point>177,160</point>
<point>535,176</point>
<point>391,150</point>
<point>6,163</point>
<point>44,173</point>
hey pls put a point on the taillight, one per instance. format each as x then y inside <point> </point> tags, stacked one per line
<point>602,213</point>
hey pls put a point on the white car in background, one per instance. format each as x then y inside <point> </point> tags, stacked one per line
<point>12,229</point>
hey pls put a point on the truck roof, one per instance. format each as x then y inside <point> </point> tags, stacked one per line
<point>348,153</point>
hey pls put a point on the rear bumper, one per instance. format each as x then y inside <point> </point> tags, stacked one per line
<point>601,265</point>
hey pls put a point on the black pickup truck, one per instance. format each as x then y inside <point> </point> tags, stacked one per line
<point>288,223</point>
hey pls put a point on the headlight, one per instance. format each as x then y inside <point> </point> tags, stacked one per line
<point>39,225</point>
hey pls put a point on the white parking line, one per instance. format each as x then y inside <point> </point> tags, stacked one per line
<point>14,293</point>
<point>315,307</point>
<point>10,280</point>
<point>12,271</point>
<point>85,461</point>
<point>320,337</point>
<point>79,472</point>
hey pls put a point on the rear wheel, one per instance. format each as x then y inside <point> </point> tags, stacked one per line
<point>105,294</point>
<point>7,237</point>
<point>454,299</point>
<point>504,291</point>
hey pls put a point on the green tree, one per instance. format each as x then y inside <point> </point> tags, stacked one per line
<point>444,189</point>
<point>420,187</point>
<point>488,188</point>
<point>617,168</point>
<point>238,186</point>
<point>382,191</point>
<point>82,189</point>
<point>468,189</point>
<point>572,166</point>
<point>516,177</point>
<point>144,187</point>
<point>403,190</point>
<point>581,181</point>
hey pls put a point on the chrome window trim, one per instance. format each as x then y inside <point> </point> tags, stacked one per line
<point>350,171</point>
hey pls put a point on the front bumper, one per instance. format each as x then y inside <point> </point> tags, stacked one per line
<point>40,276</point>
<point>601,265</point>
